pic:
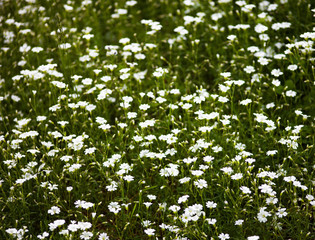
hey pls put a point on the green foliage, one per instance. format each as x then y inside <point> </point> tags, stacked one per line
<point>157,119</point>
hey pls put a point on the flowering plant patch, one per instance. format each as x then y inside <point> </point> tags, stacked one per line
<point>184,119</point>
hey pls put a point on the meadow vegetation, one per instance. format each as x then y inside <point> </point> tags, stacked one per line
<point>157,119</point>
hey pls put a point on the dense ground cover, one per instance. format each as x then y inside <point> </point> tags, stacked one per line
<point>169,119</point>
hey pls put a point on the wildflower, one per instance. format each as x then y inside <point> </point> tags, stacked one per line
<point>227,170</point>
<point>54,210</point>
<point>174,208</point>
<point>150,232</point>
<point>237,176</point>
<point>24,48</point>
<point>151,197</point>
<point>114,207</point>
<point>265,188</point>
<point>43,235</point>
<point>128,178</point>
<point>55,224</point>
<point>211,204</point>
<point>201,183</point>
<point>271,152</point>
<point>263,61</point>
<point>270,105</point>
<point>224,236</point>
<point>249,69</point>
<point>262,215</point>
<point>225,74</point>
<point>276,82</point>
<point>292,67</point>
<point>159,72</point>
<point>208,159</point>
<point>231,37</point>
<point>184,180</point>
<point>223,99</point>
<point>239,222</point>
<point>83,204</point>
<point>272,200</point>
<point>245,102</point>
<point>281,212</point>
<point>103,236</point>
<point>181,30</point>
<point>211,221</point>
<point>86,235</point>
<point>131,115</point>
<point>144,107</point>
<point>112,187</point>
<point>183,198</point>
<point>290,93</point>
<point>245,190</point>
<point>89,150</point>
<point>260,28</point>
<point>253,238</point>
<point>276,72</point>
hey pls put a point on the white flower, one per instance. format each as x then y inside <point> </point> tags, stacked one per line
<point>87,81</point>
<point>114,207</point>
<point>211,221</point>
<point>253,238</point>
<point>249,69</point>
<point>54,210</point>
<point>227,170</point>
<point>144,107</point>
<point>231,37</point>
<point>89,150</point>
<point>292,67</point>
<point>128,178</point>
<point>237,176</point>
<point>131,115</point>
<point>150,232</point>
<point>25,48</point>
<point>225,74</point>
<point>83,204</point>
<point>43,236</point>
<point>184,180</point>
<point>262,215</point>
<point>112,187</point>
<point>259,28</point>
<point>281,212</point>
<point>211,204</point>
<point>86,235</point>
<point>37,49</point>
<point>245,190</point>
<point>65,46</point>
<point>271,152</point>
<point>159,72</point>
<point>103,236</point>
<point>55,224</point>
<point>309,197</point>
<point>276,72</point>
<point>183,199</point>
<point>263,61</point>
<point>276,82</point>
<point>290,93</point>
<point>223,99</point>
<point>201,183</point>
<point>270,105</point>
<point>181,30</point>
<point>174,208</point>
<point>224,236</point>
<point>239,222</point>
<point>245,102</point>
